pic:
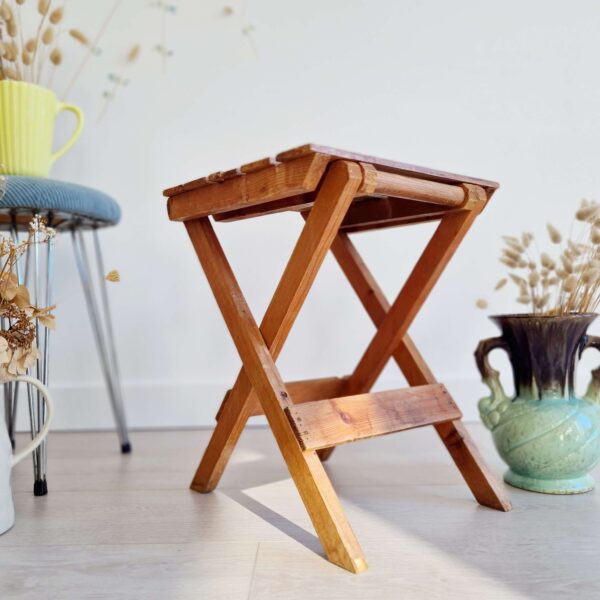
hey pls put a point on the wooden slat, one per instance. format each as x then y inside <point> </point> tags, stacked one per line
<point>305,390</point>
<point>375,211</point>
<point>318,495</point>
<point>308,390</point>
<point>297,203</point>
<point>258,165</point>
<point>184,187</point>
<point>270,184</point>
<point>388,165</point>
<point>327,423</point>
<point>482,482</point>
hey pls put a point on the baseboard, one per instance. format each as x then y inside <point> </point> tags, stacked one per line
<point>186,404</point>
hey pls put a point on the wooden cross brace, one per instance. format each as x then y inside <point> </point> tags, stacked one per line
<point>309,418</point>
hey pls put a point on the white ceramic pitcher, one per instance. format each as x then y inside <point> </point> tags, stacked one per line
<point>8,460</point>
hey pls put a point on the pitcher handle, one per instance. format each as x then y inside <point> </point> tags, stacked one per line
<point>593,391</point>
<point>37,440</point>
<point>79,114</point>
<point>491,407</point>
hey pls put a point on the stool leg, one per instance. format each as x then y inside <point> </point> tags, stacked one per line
<point>103,335</point>
<point>37,408</point>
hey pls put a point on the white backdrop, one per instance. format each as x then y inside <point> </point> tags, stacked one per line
<point>506,91</point>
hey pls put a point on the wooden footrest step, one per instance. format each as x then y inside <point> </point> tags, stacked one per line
<point>326,423</point>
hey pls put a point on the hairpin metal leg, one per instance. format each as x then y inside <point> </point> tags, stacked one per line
<point>42,296</point>
<point>103,334</point>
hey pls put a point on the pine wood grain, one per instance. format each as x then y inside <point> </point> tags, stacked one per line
<point>326,423</point>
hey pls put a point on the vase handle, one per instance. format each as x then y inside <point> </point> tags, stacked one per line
<point>593,391</point>
<point>492,406</point>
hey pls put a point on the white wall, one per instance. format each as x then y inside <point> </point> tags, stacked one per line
<point>506,90</point>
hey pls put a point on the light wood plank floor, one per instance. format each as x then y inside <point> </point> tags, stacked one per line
<point>128,527</point>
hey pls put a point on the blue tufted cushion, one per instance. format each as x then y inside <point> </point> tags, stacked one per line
<point>38,193</point>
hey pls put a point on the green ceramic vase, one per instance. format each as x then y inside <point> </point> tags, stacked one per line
<point>549,438</point>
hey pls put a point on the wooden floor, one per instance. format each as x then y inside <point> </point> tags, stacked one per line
<point>128,527</point>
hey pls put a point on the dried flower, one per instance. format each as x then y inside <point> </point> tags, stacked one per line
<point>56,57</point>
<point>501,284</point>
<point>555,236</point>
<point>547,262</point>
<point>80,37</point>
<point>113,276</point>
<point>48,36</point>
<point>56,15</point>
<point>481,303</point>
<point>570,283</point>
<point>133,53</point>
<point>43,6</point>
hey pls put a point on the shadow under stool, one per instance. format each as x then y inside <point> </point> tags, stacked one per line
<point>74,209</point>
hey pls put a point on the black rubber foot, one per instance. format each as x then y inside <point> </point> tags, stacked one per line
<point>40,487</point>
<point>126,448</point>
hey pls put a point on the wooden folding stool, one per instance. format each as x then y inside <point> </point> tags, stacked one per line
<point>337,193</point>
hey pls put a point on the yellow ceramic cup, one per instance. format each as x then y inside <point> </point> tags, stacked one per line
<point>27,114</point>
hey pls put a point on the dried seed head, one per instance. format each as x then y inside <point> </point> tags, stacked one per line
<point>10,73</point>
<point>553,281</point>
<point>43,6</point>
<point>48,36</point>
<point>20,2</point>
<point>26,58</point>
<point>515,245</point>
<point>133,53</point>
<point>555,236</point>
<point>510,238</point>
<point>113,276</point>
<point>561,274</point>
<point>526,238</point>
<point>566,263</point>
<point>544,272</point>
<point>595,235</point>
<point>56,57</point>
<point>590,276</point>
<point>522,264</point>
<point>541,302</point>
<point>511,264</point>
<point>523,299</point>
<point>532,265</point>
<point>481,303</point>
<point>56,15</point>
<point>501,284</point>
<point>6,12</point>
<point>547,262</point>
<point>534,278</point>
<point>79,36</point>
<point>511,254</point>
<point>517,279</point>
<point>588,213</point>
<point>11,28</point>
<point>570,283</point>
<point>31,45</point>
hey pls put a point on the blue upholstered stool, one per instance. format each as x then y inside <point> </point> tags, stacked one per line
<point>73,208</point>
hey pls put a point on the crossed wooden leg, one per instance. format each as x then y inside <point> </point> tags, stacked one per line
<point>483,484</point>
<point>258,349</point>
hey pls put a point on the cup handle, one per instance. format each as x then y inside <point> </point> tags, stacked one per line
<point>490,408</point>
<point>80,120</point>
<point>37,440</point>
<point>593,391</point>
